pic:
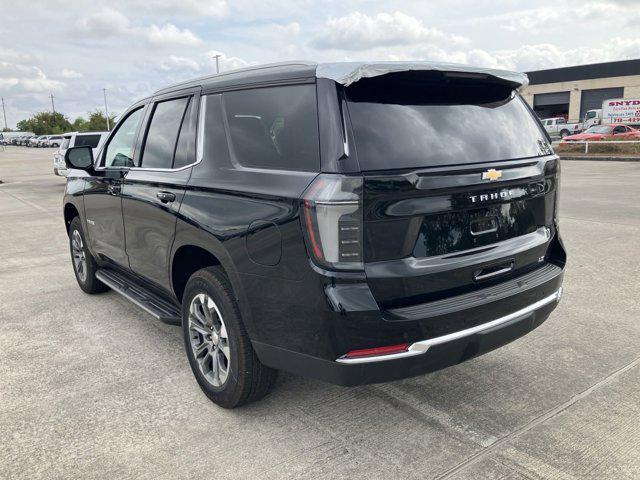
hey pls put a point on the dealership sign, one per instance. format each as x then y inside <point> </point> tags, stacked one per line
<point>621,110</point>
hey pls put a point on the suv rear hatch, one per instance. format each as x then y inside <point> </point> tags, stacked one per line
<point>459,186</point>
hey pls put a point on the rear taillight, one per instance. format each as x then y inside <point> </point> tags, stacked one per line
<point>332,221</point>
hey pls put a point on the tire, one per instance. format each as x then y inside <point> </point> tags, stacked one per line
<point>84,265</point>
<point>208,350</point>
<point>564,133</point>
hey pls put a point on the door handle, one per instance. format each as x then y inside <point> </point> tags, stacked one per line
<point>114,189</point>
<point>166,197</point>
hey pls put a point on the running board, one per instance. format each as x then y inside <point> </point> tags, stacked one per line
<point>160,308</point>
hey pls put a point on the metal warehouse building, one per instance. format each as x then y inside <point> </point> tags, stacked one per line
<point>571,91</point>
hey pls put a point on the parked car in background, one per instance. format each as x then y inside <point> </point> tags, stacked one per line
<point>76,139</point>
<point>35,141</point>
<point>605,132</point>
<point>296,217</point>
<point>23,140</point>
<point>42,142</point>
<point>558,127</point>
<point>11,138</point>
<point>53,141</point>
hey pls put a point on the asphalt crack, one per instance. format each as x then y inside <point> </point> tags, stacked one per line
<point>482,454</point>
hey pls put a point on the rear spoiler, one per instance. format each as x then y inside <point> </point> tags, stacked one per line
<point>347,73</point>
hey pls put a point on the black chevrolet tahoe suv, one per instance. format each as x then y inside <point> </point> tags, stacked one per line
<point>355,223</point>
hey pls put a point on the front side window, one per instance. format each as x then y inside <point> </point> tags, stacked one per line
<point>160,144</point>
<point>119,152</point>
<point>274,127</point>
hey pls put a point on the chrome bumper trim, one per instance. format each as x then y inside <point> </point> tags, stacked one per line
<point>421,347</point>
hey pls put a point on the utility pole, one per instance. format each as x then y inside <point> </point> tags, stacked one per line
<point>53,107</point>
<point>4,114</point>
<point>217,57</point>
<point>106,112</point>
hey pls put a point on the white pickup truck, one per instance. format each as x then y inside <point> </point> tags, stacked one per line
<point>558,127</point>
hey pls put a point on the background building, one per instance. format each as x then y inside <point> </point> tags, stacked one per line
<point>571,91</point>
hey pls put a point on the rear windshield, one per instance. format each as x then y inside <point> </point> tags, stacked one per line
<point>412,121</point>
<point>87,141</point>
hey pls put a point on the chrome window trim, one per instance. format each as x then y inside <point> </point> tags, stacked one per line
<point>421,347</point>
<point>199,143</point>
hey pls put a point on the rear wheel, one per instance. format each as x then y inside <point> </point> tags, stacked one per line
<point>84,266</point>
<point>217,344</point>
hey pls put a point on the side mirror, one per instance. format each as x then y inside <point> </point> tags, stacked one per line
<point>79,157</point>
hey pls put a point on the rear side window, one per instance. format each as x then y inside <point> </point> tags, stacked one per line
<point>87,141</point>
<point>274,127</point>
<point>162,136</point>
<point>186,147</point>
<point>423,120</point>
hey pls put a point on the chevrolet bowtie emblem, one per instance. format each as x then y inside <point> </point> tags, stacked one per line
<point>492,174</point>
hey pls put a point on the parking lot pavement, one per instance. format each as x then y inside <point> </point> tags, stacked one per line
<point>93,387</point>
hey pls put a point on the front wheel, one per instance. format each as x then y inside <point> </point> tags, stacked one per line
<point>218,347</point>
<point>564,133</point>
<point>84,266</point>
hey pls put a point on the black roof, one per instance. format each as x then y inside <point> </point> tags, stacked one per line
<point>243,76</point>
<point>341,72</point>
<point>622,68</point>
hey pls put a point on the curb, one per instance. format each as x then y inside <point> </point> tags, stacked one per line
<point>601,158</point>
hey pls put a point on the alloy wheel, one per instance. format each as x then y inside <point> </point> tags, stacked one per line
<point>79,255</point>
<point>209,340</point>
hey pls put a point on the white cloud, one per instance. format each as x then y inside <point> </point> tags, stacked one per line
<point>359,31</point>
<point>226,63</point>
<point>168,34</point>
<point>17,78</point>
<point>68,73</point>
<point>111,23</point>
<point>179,63</point>
<point>546,18</point>
<point>103,23</point>
<point>182,8</point>
<point>290,29</point>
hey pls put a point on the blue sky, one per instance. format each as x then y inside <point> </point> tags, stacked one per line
<point>74,49</point>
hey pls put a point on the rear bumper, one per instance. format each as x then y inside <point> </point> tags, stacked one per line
<point>421,357</point>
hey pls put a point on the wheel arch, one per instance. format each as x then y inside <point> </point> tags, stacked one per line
<point>70,212</point>
<point>193,244</point>
<point>188,259</point>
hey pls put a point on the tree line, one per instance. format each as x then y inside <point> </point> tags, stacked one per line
<point>48,123</point>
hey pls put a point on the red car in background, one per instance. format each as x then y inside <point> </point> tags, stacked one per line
<point>605,132</point>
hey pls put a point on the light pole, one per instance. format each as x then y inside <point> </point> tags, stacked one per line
<point>106,112</point>
<point>4,114</point>
<point>217,57</point>
<point>53,107</point>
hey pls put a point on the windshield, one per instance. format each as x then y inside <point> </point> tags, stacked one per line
<point>417,121</point>
<point>599,129</point>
